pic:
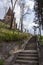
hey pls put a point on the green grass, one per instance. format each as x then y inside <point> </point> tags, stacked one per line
<point>1,62</point>
<point>11,35</point>
<point>3,25</point>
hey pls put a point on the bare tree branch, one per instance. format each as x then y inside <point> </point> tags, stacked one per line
<point>14,4</point>
<point>26,13</point>
<point>13,7</point>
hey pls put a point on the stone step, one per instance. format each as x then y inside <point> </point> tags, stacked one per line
<point>36,55</point>
<point>27,57</point>
<point>26,61</point>
<point>29,48</point>
<point>31,45</point>
<point>26,64</point>
<point>29,51</point>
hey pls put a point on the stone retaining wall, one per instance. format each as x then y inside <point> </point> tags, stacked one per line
<point>11,59</point>
<point>6,47</point>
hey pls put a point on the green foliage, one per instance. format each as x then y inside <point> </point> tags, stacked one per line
<point>9,35</point>
<point>40,39</point>
<point>39,11</point>
<point>1,62</point>
<point>3,25</point>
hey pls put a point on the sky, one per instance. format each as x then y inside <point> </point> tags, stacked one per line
<point>28,20</point>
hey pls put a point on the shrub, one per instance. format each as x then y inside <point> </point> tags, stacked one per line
<point>8,35</point>
<point>1,62</point>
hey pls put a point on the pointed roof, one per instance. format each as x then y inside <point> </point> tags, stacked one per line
<point>9,12</point>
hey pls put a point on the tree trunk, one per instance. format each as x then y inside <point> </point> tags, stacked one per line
<point>12,17</point>
<point>40,29</point>
<point>22,25</point>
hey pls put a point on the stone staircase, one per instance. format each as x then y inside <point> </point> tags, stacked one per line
<point>31,45</point>
<point>28,56</point>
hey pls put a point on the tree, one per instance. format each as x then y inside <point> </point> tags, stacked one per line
<point>12,16</point>
<point>39,13</point>
<point>22,11</point>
